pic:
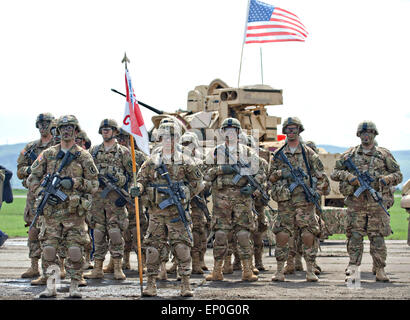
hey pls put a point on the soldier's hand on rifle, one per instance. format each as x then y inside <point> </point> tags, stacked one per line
<point>285,173</point>
<point>353,180</point>
<point>383,181</point>
<point>247,190</point>
<point>67,183</point>
<point>227,169</point>
<point>52,200</point>
<point>135,192</point>
<point>257,194</point>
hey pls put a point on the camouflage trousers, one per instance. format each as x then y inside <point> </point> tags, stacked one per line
<point>198,230</point>
<point>130,235</point>
<point>366,217</point>
<point>162,231</point>
<point>293,219</point>
<point>33,243</point>
<point>63,232</point>
<point>108,222</point>
<point>232,218</point>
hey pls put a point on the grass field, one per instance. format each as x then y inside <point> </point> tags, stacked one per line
<point>11,219</point>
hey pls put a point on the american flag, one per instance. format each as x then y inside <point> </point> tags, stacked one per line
<point>267,23</point>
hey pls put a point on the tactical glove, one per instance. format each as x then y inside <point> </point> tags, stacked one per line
<point>247,190</point>
<point>227,169</point>
<point>353,180</point>
<point>135,192</point>
<point>384,181</point>
<point>52,200</point>
<point>67,183</point>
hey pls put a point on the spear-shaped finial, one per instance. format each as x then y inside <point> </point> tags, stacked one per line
<point>125,59</point>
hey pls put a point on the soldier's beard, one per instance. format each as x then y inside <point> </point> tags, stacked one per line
<point>292,136</point>
<point>108,139</point>
<point>44,132</point>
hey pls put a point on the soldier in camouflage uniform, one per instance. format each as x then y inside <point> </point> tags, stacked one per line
<point>364,215</point>
<point>189,141</point>
<point>405,203</point>
<point>109,216</point>
<point>27,156</point>
<point>295,213</point>
<point>182,169</point>
<point>130,235</point>
<point>232,203</point>
<point>64,222</point>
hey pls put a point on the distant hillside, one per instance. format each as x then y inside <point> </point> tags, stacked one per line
<point>9,154</point>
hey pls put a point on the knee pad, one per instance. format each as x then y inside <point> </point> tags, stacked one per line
<point>152,255</point>
<point>33,234</point>
<point>183,252</point>
<point>115,236</point>
<point>98,236</point>
<point>243,237</point>
<point>49,253</point>
<point>74,254</point>
<point>356,236</point>
<point>220,237</point>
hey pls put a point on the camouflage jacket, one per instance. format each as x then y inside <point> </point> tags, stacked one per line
<point>117,162</point>
<point>379,162</point>
<point>24,161</point>
<point>216,157</point>
<point>186,171</point>
<point>280,186</point>
<point>81,170</point>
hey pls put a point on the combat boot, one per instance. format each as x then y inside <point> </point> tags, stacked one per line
<point>280,272</point>
<point>40,281</point>
<point>316,269</point>
<point>196,266</point>
<point>33,270</point>
<point>62,269</point>
<point>163,271</point>
<point>50,291</point>
<point>381,275</point>
<point>173,269</point>
<point>298,262</point>
<point>202,261</point>
<point>216,274</point>
<point>349,269</point>
<point>126,261</point>
<point>97,272</point>
<point>237,263</point>
<point>151,288</point>
<point>310,275</point>
<point>247,273</point>
<point>185,287</point>
<point>228,268</point>
<point>82,282</point>
<point>109,268</point>
<point>290,265</point>
<point>86,264</point>
<point>258,259</point>
<point>74,292</point>
<point>118,274</point>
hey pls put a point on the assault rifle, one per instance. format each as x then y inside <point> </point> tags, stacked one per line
<point>51,185</point>
<point>176,194</point>
<point>201,204</point>
<point>298,176</point>
<point>108,183</point>
<point>237,167</point>
<point>31,155</point>
<point>365,180</point>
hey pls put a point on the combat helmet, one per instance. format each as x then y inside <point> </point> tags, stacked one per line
<point>231,122</point>
<point>108,123</point>
<point>366,125</point>
<point>190,137</point>
<point>169,128</point>
<point>66,120</point>
<point>82,135</point>
<point>45,116</point>
<point>293,120</point>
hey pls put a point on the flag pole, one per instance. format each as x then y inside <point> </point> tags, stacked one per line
<point>137,213</point>
<point>260,50</point>
<point>243,42</point>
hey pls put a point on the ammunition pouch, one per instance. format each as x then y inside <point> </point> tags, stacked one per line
<point>346,188</point>
<point>280,191</point>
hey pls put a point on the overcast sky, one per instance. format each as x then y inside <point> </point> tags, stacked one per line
<point>65,56</point>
